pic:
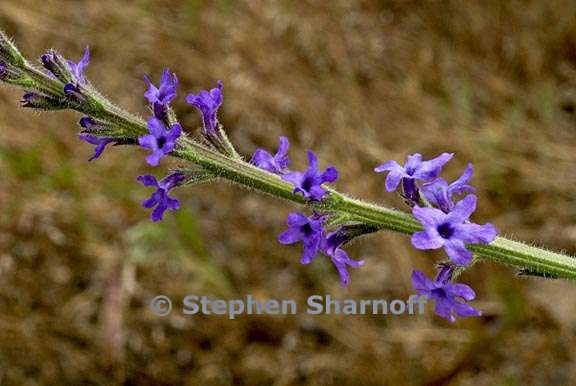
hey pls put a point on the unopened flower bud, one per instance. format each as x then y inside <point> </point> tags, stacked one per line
<point>57,66</point>
<point>14,75</point>
<point>37,101</point>
<point>94,126</point>
<point>74,93</point>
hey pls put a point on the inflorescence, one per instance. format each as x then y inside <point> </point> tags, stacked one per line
<point>441,210</point>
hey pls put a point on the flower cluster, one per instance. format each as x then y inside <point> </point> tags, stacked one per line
<point>446,225</point>
<point>162,139</point>
<point>71,74</point>
<point>309,230</point>
<point>312,233</point>
<point>163,132</point>
<point>414,169</point>
<point>308,183</point>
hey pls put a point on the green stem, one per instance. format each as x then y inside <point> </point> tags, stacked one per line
<point>234,169</point>
<point>522,255</point>
<point>245,174</point>
<point>501,250</point>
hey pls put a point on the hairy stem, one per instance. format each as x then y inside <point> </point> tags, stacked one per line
<point>233,168</point>
<point>501,250</point>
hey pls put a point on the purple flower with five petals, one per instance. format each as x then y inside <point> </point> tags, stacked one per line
<point>414,169</point>
<point>208,103</point>
<point>439,193</point>
<point>160,140</point>
<point>160,198</point>
<point>100,143</point>
<point>452,230</point>
<point>78,69</point>
<point>277,163</point>
<point>309,183</point>
<point>160,97</point>
<point>331,247</point>
<point>309,230</point>
<point>449,297</point>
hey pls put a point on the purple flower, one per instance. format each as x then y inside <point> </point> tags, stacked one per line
<point>309,230</point>
<point>160,198</point>
<point>100,143</point>
<point>331,247</point>
<point>78,69</point>
<point>160,97</point>
<point>309,183</point>
<point>414,169</point>
<point>277,163</point>
<point>160,140</point>
<point>449,298</point>
<point>439,193</point>
<point>452,230</point>
<point>208,103</point>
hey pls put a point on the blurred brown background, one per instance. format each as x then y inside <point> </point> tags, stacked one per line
<point>359,82</point>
